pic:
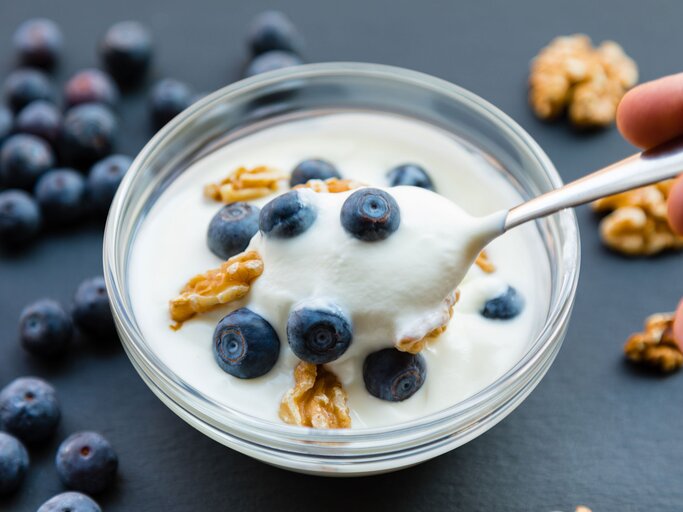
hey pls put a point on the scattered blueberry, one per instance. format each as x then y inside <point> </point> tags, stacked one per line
<point>91,86</point>
<point>505,306</point>
<point>245,345</point>
<point>168,98</point>
<point>286,216</point>
<point>42,119</point>
<point>45,329</point>
<point>273,30</point>
<point>61,196</point>
<point>232,228</point>
<point>318,334</point>
<point>86,462</point>
<point>20,218</point>
<point>23,159</point>
<point>126,51</point>
<point>392,375</point>
<point>370,214</point>
<point>104,179</point>
<point>6,123</point>
<point>70,502</point>
<point>91,310</point>
<point>24,86</point>
<point>89,132</point>
<point>270,61</point>
<point>29,409</point>
<point>38,42</point>
<point>313,169</point>
<point>13,463</point>
<point>410,174</point>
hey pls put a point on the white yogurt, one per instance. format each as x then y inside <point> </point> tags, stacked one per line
<point>376,283</point>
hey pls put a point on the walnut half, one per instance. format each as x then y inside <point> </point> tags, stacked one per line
<point>244,184</point>
<point>317,399</point>
<point>655,346</point>
<point>331,185</point>
<point>231,281</point>
<point>415,345</point>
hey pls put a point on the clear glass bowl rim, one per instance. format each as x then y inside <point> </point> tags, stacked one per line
<point>241,426</point>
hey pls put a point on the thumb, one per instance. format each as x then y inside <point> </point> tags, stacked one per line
<point>678,325</point>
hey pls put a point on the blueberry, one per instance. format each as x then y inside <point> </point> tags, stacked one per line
<point>318,334</point>
<point>270,61</point>
<point>232,228</point>
<point>23,159</point>
<point>410,174</point>
<point>24,86</point>
<point>313,169</point>
<point>70,502</point>
<point>20,218</point>
<point>168,98</point>
<point>505,306</point>
<point>13,463</point>
<point>126,51</point>
<point>89,132</point>
<point>6,123</point>
<point>45,329</point>
<point>286,216</point>
<point>87,462</point>
<point>104,179</point>
<point>61,196</point>
<point>245,345</point>
<point>29,409</point>
<point>91,86</point>
<point>38,42</point>
<point>91,310</point>
<point>272,30</point>
<point>42,119</point>
<point>392,375</point>
<point>370,214</point>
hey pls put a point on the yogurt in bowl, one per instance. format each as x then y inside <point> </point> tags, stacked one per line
<point>478,367</point>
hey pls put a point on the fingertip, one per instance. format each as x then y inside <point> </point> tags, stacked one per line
<point>678,325</point>
<point>628,112</point>
<point>675,206</point>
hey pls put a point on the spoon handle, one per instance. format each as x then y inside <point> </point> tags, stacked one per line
<point>656,164</point>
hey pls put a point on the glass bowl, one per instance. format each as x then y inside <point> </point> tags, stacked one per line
<point>277,97</point>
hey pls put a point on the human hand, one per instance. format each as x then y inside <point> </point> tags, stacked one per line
<point>648,115</point>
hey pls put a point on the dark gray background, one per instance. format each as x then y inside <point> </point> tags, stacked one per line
<point>595,432</point>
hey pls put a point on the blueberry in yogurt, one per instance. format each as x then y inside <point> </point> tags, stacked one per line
<point>505,306</point>
<point>392,375</point>
<point>245,345</point>
<point>286,216</point>
<point>410,174</point>
<point>319,334</point>
<point>232,228</point>
<point>370,214</point>
<point>313,169</point>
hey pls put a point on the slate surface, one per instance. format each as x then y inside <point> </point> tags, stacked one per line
<point>595,431</point>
